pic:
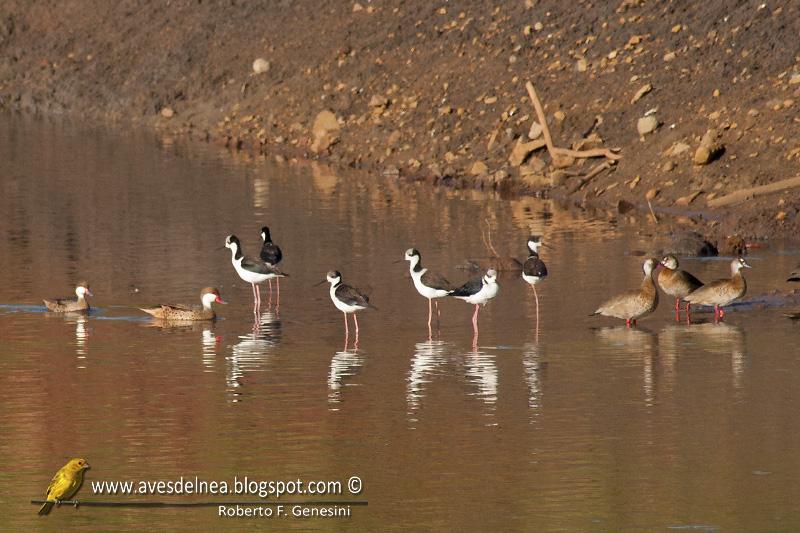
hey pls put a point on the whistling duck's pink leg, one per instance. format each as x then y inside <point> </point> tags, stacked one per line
<point>721,313</point>
<point>688,316</point>
<point>628,322</point>
<point>678,304</point>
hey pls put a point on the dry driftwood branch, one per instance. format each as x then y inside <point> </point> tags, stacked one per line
<point>591,174</point>
<point>744,194</point>
<point>553,149</point>
<point>650,205</point>
<point>487,241</point>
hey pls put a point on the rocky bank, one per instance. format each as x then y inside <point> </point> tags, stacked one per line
<point>700,98</point>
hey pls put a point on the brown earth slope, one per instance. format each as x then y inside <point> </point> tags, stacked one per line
<point>436,90</point>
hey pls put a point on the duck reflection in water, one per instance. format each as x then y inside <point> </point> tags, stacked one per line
<point>252,352</point>
<point>716,338</point>
<point>426,363</point>
<point>635,343</point>
<point>81,332</point>
<point>211,344</point>
<point>344,365</point>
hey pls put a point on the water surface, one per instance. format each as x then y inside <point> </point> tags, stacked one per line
<point>588,426</point>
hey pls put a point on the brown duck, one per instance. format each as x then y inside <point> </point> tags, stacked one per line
<point>722,292</point>
<point>71,305</point>
<point>180,312</point>
<point>677,283</point>
<point>633,304</point>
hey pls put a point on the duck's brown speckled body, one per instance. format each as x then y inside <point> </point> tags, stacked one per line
<point>722,292</point>
<point>633,304</point>
<point>677,283</point>
<point>180,312</point>
<point>71,305</point>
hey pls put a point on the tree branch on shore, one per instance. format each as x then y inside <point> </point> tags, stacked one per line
<point>552,149</point>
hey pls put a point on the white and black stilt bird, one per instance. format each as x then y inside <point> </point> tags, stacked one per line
<point>347,299</point>
<point>478,292</point>
<point>253,271</point>
<point>271,254</point>
<point>534,269</point>
<point>429,284</point>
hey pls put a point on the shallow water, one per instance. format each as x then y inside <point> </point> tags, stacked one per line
<point>590,427</point>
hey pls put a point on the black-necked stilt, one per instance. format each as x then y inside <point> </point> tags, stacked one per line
<point>633,304</point>
<point>429,284</point>
<point>179,312</point>
<point>478,292</point>
<point>722,292</point>
<point>71,305</point>
<point>271,254</point>
<point>677,283</point>
<point>253,271</point>
<point>347,299</point>
<point>534,270</point>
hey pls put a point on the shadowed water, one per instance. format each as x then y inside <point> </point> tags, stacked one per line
<point>592,427</point>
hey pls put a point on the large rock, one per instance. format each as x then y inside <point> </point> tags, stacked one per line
<point>260,66</point>
<point>690,243</point>
<point>647,124</point>
<point>325,131</point>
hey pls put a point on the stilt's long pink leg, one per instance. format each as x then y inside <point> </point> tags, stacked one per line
<point>430,313</point>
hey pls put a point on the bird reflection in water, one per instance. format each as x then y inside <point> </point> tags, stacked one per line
<point>211,342</point>
<point>81,335</point>
<point>252,352</point>
<point>637,343</point>
<point>426,363</point>
<point>717,338</point>
<point>532,367</point>
<point>481,370</point>
<point>344,365</point>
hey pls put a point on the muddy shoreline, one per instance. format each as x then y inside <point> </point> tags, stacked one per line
<point>430,92</point>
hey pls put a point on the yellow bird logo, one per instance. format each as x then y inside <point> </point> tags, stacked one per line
<point>65,484</point>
